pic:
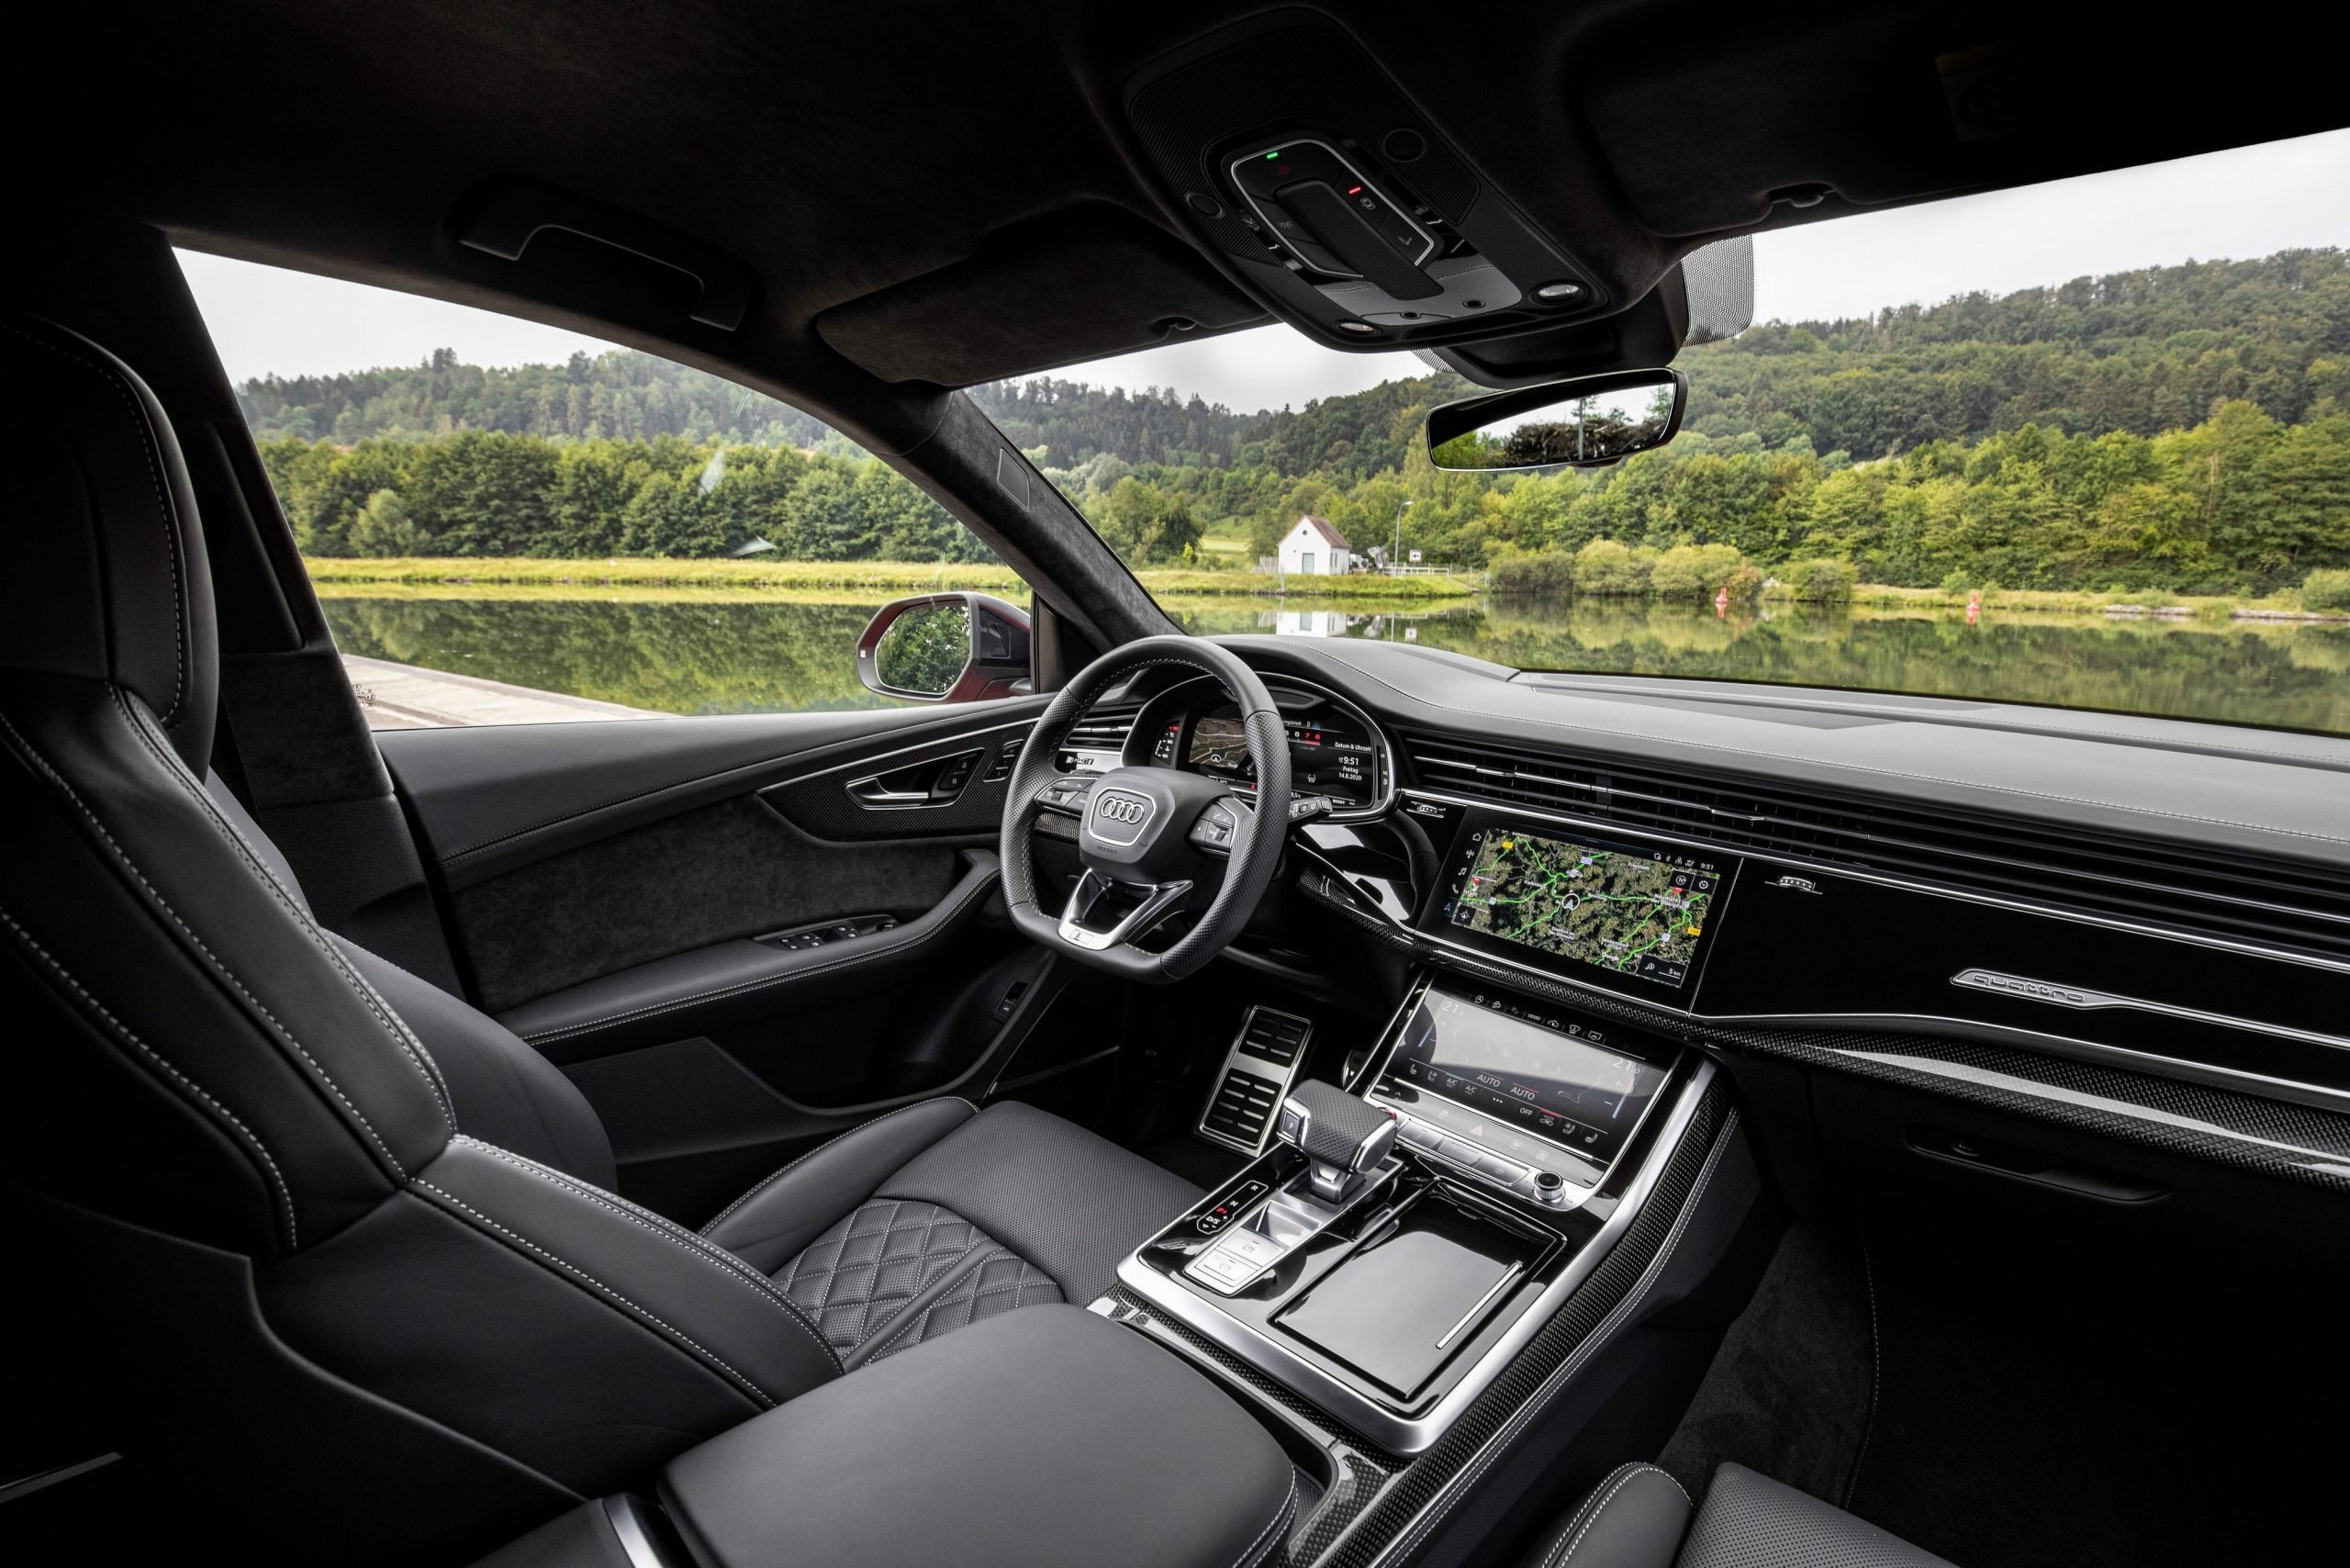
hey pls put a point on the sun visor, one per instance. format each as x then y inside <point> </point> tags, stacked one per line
<point>1076,285</point>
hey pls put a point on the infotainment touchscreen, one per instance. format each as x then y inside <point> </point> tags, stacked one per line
<point>1639,912</point>
<point>1518,1077</point>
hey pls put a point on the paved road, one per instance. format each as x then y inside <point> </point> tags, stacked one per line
<point>402,696</point>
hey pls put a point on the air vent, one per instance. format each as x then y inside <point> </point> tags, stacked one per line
<point>1099,736</point>
<point>2165,885</point>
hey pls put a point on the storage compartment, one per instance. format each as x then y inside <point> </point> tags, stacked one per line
<point>1399,1306</point>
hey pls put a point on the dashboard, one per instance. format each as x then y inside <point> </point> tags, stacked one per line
<point>1568,872</point>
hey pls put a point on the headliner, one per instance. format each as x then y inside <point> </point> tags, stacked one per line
<point>930,194</point>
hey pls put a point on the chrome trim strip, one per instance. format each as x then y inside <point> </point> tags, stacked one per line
<point>1885,880</point>
<point>1470,1317</point>
<point>2059,995</point>
<point>1411,1435</point>
<point>626,1515</point>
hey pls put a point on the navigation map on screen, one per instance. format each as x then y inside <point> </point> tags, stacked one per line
<point>1614,909</point>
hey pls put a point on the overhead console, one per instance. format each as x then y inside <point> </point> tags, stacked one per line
<point>1296,155</point>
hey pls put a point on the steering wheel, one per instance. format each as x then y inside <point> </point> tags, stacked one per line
<point>1143,831</point>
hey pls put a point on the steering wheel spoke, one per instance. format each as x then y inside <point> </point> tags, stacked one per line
<point>1158,899</point>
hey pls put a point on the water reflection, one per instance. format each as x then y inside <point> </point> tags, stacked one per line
<point>735,656</point>
<point>2265,673</point>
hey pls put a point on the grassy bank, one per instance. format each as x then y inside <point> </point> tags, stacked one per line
<point>2155,602</point>
<point>820,576</point>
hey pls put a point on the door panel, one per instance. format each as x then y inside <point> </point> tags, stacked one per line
<point>605,885</point>
<point>709,875</point>
<point>491,798</point>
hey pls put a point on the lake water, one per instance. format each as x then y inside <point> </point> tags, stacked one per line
<point>725,653</point>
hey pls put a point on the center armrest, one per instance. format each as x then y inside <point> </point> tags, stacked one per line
<point>1041,1436</point>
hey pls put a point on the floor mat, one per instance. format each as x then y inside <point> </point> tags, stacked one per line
<point>1791,1391</point>
<point>2020,1407</point>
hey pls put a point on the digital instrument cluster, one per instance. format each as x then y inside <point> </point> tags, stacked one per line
<point>1332,751</point>
<point>1333,748</point>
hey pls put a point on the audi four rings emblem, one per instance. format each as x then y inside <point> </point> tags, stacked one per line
<point>1121,808</point>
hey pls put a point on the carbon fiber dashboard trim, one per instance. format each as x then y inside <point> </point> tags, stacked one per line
<point>2249,1132</point>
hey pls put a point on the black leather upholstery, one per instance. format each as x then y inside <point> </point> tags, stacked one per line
<point>782,1214</point>
<point>1070,1201</point>
<point>374,1189</point>
<point>502,1091</point>
<point>931,1218</point>
<point>1752,1522</point>
<point>1047,1438</point>
<point>1634,1518</point>
<point>108,579</point>
<point>1639,1518</point>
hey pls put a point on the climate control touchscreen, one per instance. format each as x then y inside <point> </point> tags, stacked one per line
<point>1504,1079</point>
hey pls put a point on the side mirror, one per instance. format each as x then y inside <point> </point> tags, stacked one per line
<point>946,647</point>
<point>1580,424</point>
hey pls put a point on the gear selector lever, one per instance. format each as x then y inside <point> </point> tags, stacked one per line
<point>1342,1138</point>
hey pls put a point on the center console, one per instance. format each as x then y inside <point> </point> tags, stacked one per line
<point>1406,1237</point>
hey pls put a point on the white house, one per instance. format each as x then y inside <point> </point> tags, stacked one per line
<point>1314,549</point>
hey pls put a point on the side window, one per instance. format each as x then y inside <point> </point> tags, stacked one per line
<point>533,529</point>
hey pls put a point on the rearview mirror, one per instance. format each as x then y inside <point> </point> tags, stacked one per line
<point>945,647</point>
<point>1597,419</point>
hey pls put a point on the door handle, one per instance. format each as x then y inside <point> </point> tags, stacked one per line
<point>872,794</point>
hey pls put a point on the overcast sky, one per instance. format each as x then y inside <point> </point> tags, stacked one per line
<point>2244,202</point>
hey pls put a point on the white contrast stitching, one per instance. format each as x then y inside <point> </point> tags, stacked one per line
<point>828,1143</point>
<point>1861,767</point>
<point>276,1177</point>
<point>218,967</point>
<point>1461,1484</point>
<point>1583,1510</point>
<point>147,449</point>
<point>398,1027</point>
<point>734,1267</point>
<point>757,1393</point>
<point>1630,1471</point>
<point>986,883</point>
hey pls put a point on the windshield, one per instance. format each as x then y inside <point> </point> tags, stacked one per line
<point>2037,447</point>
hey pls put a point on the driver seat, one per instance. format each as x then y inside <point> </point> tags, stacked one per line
<point>298,1214</point>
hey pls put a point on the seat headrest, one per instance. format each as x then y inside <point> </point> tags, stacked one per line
<point>108,577</point>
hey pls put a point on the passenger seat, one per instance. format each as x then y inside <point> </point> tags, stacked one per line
<point>1639,1518</point>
